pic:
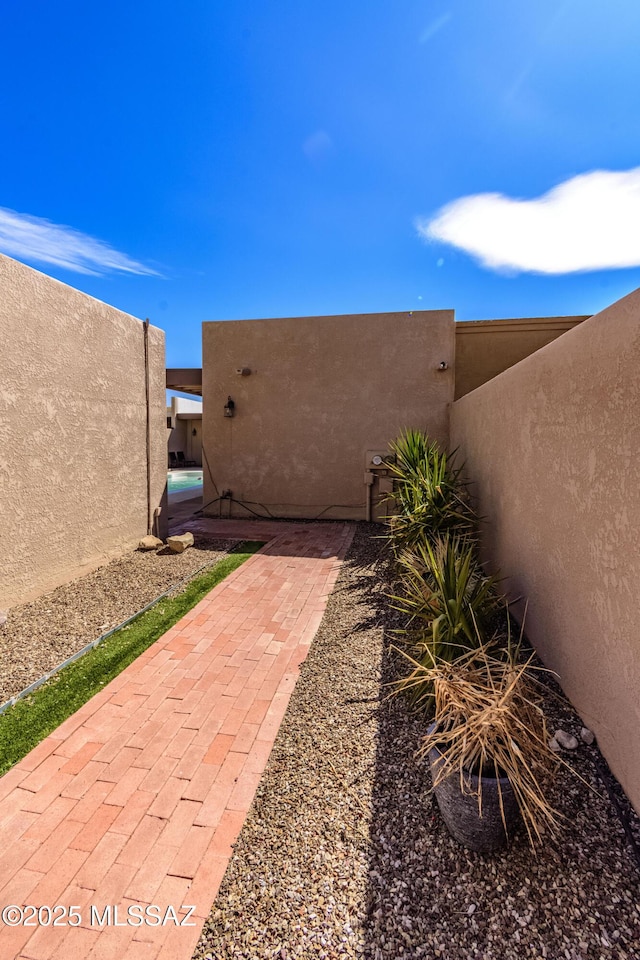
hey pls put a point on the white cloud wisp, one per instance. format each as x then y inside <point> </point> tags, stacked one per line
<point>589,222</point>
<point>33,238</point>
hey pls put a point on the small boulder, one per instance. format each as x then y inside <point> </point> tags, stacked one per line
<point>554,745</point>
<point>180,543</point>
<point>587,736</point>
<point>566,740</point>
<point>3,618</point>
<point>149,543</point>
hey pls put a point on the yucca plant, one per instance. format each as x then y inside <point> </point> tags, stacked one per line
<point>489,722</point>
<point>412,450</point>
<point>448,600</point>
<point>428,493</point>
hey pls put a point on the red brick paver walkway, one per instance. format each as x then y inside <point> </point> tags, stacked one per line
<point>136,799</point>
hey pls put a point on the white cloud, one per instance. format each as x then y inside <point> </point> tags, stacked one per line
<point>35,239</point>
<point>590,222</point>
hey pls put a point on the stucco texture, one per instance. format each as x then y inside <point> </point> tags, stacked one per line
<point>484,348</point>
<point>552,446</point>
<point>322,392</point>
<point>73,478</point>
<point>186,435</point>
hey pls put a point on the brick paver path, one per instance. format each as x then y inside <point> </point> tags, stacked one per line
<point>137,798</point>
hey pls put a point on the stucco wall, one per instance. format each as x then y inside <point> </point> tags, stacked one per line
<point>186,417</point>
<point>73,488</point>
<point>553,447</point>
<point>182,439</point>
<point>322,392</point>
<point>178,437</point>
<point>484,348</point>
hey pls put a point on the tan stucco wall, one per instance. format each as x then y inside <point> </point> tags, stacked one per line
<point>484,348</point>
<point>186,417</point>
<point>553,447</point>
<point>73,488</point>
<point>181,438</point>
<point>178,437</point>
<point>322,392</point>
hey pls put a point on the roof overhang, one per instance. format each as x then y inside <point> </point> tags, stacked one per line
<point>185,380</point>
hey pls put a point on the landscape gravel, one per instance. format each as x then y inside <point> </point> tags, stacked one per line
<point>344,853</point>
<point>39,635</point>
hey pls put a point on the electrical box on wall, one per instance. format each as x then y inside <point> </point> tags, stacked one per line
<point>378,459</point>
<point>379,479</point>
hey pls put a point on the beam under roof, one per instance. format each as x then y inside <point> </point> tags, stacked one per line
<point>185,380</point>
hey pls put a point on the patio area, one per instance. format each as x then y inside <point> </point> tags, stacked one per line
<point>137,798</point>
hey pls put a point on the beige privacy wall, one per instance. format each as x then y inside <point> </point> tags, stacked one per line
<point>321,393</point>
<point>553,448</point>
<point>484,348</point>
<point>73,477</point>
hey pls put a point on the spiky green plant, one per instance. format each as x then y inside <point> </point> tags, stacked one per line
<point>428,495</point>
<point>445,594</point>
<point>411,450</point>
<point>448,600</point>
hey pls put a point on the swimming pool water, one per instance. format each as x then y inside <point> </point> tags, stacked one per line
<point>183,480</point>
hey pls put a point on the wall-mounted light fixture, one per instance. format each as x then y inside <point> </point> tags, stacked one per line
<point>443,365</point>
<point>243,371</point>
<point>229,407</point>
<point>194,432</point>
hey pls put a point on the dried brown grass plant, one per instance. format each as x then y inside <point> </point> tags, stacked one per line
<point>489,721</point>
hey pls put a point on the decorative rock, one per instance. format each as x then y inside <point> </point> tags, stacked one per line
<point>587,736</point>
<point>566,740</point>
<point>149,543</point>
<point>3,618</point>
<point>180,543</point>
<point>554,745</point>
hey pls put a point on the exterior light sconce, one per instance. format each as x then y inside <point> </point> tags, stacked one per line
<point>443,365</point>
<point>194,432</point>
<point>229,407</point>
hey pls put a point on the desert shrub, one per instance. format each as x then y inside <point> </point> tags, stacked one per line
<point>429,495</point>
<point>489,721</point>
<point>449,602</point>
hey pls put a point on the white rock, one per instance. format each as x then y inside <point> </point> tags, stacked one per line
<point>180,543</point>
<point>587,736</point>
<point>566,740</point>
<point>554,745</point>
<point>3,618</point>
<point>149,543</point>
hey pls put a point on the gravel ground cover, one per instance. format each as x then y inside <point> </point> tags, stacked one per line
<point>344,854</point>
<point>41,634</point>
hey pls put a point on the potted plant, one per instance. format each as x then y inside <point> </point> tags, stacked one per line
<point>487,746</point>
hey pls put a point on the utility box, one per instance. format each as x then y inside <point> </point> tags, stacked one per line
<point>378,459</point>
<point>380,482</point>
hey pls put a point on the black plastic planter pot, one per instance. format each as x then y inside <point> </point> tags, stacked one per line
<point>459,808</point>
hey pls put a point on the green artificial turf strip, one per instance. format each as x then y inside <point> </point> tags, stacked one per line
<point>33,718</point>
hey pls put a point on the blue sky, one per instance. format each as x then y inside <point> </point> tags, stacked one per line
<point>210,160</point>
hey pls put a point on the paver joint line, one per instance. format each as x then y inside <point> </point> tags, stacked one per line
<point>144,790</point>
